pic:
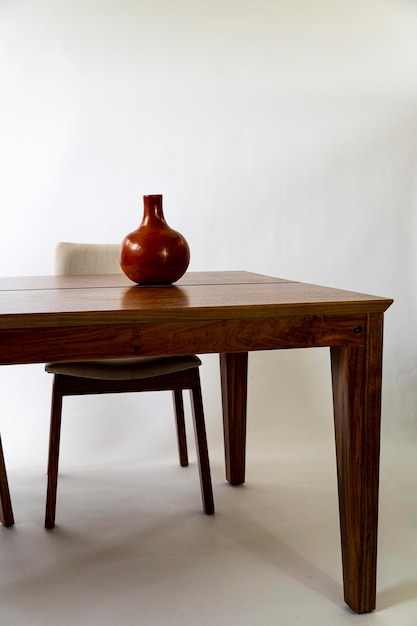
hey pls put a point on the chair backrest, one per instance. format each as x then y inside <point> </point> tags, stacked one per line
<point>87,258</point>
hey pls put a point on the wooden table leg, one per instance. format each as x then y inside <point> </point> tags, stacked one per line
<point>6,511</point>
<point>234,383</point>
<point>357,377</point>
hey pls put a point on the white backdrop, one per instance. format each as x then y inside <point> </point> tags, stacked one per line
<point>283,136</point>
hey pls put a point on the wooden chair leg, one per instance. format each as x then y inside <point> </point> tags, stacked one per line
<point>201,444</point>
<point>53,457</point>
<point>180,421</point>
<point>6,511</point>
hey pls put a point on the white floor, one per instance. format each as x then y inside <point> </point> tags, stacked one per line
<point>132,546</point>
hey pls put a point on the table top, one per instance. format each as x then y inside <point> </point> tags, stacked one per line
<point>113,299</point>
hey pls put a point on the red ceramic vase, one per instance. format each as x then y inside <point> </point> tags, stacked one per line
<point>154,253</point>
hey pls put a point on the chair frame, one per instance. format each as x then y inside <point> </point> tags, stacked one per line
<point>64,385</point>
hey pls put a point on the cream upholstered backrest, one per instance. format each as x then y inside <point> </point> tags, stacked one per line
<point>87,258</point>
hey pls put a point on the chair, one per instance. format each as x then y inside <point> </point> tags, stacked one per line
<point>122,375</point>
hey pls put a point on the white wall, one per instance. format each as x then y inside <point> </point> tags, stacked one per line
<point>283,136</point>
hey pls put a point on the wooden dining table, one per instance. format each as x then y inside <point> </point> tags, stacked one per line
<point>231,313</point>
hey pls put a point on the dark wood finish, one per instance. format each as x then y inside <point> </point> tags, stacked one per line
<point>30,345</point>
<point>178,401</point>
<point>177,381</point>
<point>201,443</point>
<point>232,313</point>
<point>6,511</point>
<point>234,377</point>
<point>357,375</point>
<point>171,337</point>
<point>89,281</point>
<point>59,307</point>
<point>53,453</point>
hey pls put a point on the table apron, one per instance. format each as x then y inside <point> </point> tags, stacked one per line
<point>38,345</point>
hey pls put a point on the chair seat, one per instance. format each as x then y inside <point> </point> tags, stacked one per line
<point>124,369</point>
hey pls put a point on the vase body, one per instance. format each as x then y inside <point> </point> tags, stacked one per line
<point>154,253</point>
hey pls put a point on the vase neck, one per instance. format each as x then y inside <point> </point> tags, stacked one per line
<point>152,210</point>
